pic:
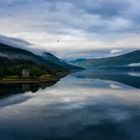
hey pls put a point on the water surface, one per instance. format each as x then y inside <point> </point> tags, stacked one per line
<point>77,107</point>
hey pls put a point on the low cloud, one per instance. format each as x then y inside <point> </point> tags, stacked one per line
<point>115,51</point>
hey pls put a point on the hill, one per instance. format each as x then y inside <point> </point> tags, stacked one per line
<point>13,59</point>
<point>129,60</point>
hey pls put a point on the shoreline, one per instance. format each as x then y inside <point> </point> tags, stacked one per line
<point>27,81</point>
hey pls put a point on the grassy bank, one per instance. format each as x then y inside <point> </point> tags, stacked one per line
<point>19,79</point>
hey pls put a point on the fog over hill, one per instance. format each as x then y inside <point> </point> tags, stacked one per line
<point>16,57</point>
<point>126,61</point>
<point>19,43</point>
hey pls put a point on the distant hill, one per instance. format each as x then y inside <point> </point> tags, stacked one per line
<point>61,63</point>
<point>12,59</point>
<point>128,60</point>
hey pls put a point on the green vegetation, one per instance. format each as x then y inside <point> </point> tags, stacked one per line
<point>36,71</point>
<point>20,78</point>
<point>11,78</point>
<point>11,70</point>
<point>47,77</point>
<point>19,64</point>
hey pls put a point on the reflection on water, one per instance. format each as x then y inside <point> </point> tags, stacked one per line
<point>8,89</point>
<point>130,78</point>
<point>74,108</point>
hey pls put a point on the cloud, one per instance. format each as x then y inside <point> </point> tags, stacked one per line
<point>134,65</point>
<point>79,25</point>
<point>115,51</point>
<point>14,41</point>
<point>19,43</point>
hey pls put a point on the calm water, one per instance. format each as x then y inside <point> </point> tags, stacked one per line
<point>104,107</point>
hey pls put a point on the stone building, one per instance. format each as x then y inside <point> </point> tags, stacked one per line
<point>25,73</point>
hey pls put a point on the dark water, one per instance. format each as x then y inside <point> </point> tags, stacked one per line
<point>82,106</point>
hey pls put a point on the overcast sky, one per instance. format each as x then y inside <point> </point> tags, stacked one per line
<point>73,28</point>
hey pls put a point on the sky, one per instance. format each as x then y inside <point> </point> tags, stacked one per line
<point>72,28</point>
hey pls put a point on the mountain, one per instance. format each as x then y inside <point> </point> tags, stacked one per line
<point>61,63</point>
<point>129,60</point>
<point>12,59</point>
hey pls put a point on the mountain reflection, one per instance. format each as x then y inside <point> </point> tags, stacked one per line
<point>8,89</point>
<point>129,78</point>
